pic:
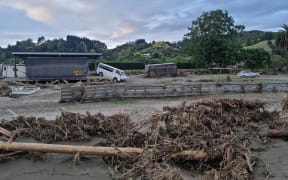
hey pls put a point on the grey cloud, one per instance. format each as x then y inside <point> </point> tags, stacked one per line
<point>120,21</point>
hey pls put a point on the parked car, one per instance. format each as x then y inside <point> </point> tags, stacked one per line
<point>247,74</point>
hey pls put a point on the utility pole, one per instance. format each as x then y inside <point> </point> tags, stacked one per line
<point>15,68</point>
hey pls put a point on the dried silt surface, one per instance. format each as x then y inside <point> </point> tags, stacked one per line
<point>210,137</point>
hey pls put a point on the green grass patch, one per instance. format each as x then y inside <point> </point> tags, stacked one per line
<point>262,44</point>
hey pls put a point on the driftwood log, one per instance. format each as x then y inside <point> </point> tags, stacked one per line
<point>90,150</point>
<point>5,132</point>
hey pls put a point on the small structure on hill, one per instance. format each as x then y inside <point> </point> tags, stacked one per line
<point>161,70</point>
<point>44,66</point>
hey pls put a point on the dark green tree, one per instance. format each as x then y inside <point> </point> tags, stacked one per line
<point>268,36</point>
<point>40,40</point>
<point>213,38</point>
<point>26,45</point>
<point>255,58</point>
<point>156,55</point>
<point>282,38</point>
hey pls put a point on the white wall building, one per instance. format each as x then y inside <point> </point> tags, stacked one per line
<point>7,71</point>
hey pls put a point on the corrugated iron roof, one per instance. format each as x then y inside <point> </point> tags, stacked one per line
<point>55,54</point>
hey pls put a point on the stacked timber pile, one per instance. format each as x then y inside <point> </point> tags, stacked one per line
<point>4,89</point>
<point>206,136</point>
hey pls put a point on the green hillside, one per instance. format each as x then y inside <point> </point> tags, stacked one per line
<point>263,44</point>
<point>277,61</point>
<point>255,36</point>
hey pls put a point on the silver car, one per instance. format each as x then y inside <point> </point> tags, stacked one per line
<point>247,74</point>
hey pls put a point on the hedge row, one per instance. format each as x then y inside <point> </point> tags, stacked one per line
<point>186,66</point>
<point>136,65</point>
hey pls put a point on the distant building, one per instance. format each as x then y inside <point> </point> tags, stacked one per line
<point>7,70</point>
<point>54,66</point>
<point>146,54</point>
<point>160,70</point>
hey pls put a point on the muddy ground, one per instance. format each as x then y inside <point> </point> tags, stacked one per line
<point>44,103</point>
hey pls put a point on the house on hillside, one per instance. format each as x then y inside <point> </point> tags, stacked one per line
<point>43,66</point>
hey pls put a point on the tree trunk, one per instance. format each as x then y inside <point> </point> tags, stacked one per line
<point>67,149</point>
<point>92,150</point>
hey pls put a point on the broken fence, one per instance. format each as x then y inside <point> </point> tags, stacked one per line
<point>103,92</point>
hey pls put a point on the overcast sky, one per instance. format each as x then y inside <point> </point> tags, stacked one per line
<point>115,22</point>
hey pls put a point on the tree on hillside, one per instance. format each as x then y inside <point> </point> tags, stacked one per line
<point>282,38</point>
<point>71,44</point>
<point>268,36</point>
<point>40,40</point>
<point>213,38</point>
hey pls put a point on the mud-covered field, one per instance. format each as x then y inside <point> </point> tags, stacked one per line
<point>45,104</point>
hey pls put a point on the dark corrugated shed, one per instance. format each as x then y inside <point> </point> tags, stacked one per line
<point>51,68</point>
<point>56,66</point>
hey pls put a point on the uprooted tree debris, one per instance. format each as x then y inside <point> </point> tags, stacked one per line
<point>5,90</point>
<point>218,130</point>
<point>284,103</point>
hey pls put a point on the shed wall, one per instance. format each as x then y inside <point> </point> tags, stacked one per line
<point>52,68</point>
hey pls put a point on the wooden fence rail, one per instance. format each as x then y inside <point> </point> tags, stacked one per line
<point>102,92</point>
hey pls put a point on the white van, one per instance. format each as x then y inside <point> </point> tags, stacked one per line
<point>116,75</point>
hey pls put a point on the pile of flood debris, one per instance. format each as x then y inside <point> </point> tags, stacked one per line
<point>284,103</point>
<point>70,127</point>
<point>209,137</point>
